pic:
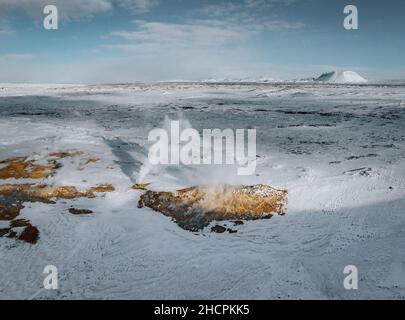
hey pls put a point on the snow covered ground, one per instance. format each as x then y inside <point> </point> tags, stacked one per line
<point>339,150</point>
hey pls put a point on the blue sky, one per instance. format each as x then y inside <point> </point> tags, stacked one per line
<point>148,40</point>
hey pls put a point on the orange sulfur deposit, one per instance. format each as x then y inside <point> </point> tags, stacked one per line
<point>29,168</point>
<point>140,186</point>
<point>14,196</point>
<point>26,168</point>
<point>22,168</point>
<point>194,208</point>
<point>47,194</point>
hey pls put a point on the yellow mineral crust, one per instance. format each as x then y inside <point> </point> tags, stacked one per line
<point>29,168</point>
<point>140,186</point>
<point>13,197</point>
<point>22,168</point>
<point>194,208</point>
<point>44,193</point>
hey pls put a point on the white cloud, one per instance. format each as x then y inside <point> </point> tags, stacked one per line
<point>243,8</point>
<point>138,6</point>
<point>76,9</point>
<point>282,25</point>
<point>72,9</point>
<point>221,9</point>
<point>5,29</point>
<point>249,14</point>
<point>267,3</point>
<point>205,45</point>
<point>199,32</point>
<point>192,35</point>
<point>6,32</point>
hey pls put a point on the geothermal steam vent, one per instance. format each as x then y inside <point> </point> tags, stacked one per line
<point>194,208</point>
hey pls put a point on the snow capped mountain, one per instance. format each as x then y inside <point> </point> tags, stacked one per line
<point>328,77</point>
<point>341,77</point>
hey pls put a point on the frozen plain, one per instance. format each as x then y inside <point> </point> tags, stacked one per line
<point>339,150</point>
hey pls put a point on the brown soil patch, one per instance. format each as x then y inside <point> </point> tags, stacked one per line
<point>19,223</point>
<point>237,222</point>
<point>140,186</point>
<point>13,194</point>
<point>22,168</point>
<point>9,212</point>
<point>79,211</point>
<point>29,234</point>
<point>26,168</point>
<point>194,208</point>
<point>218,229</point>
<point>12,197</point>
<point>221,229</point>
<point>91,193</point>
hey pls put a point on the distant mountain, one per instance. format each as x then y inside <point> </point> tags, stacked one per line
<point>341,77</point>
<point>245,80</point>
